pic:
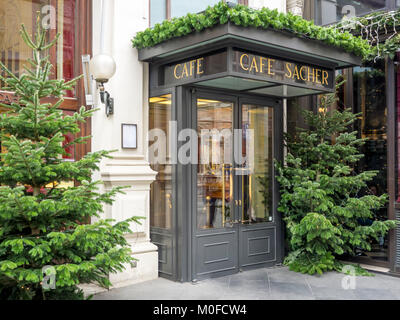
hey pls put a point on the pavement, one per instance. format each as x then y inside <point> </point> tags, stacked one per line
<point>277,283</point>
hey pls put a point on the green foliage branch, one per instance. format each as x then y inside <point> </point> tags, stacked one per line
<point>41,225</point>
<point>380,29</point>
<point>322,197</point>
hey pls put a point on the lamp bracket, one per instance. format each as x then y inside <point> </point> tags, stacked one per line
<point>109,105</point>
<point>106,99</point>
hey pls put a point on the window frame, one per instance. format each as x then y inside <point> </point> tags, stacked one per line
<point>83,45</point>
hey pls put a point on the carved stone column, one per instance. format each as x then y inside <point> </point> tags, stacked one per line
<point>128,167</point>
<point>137,175</point>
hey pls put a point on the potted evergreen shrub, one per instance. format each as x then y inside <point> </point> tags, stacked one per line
<point>321,193</point>
<point>46,247</point>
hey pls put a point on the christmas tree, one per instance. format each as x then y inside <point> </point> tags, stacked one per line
<point>46,246</point>
<point>324,199</point>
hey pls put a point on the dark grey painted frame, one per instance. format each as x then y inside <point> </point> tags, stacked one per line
<point>183,176</point>
<point>122,135</point>
<point>157,68</point>
<point>225,95</point>
<point>277,155</point>
<point>270,42</point>
<point>172,233</point>
<point>279,43</point>
<point>183,181</point>
<point>391,156</point>
<point>191,170</point>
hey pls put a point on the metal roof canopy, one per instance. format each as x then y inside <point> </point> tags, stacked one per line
<point>281,45</point>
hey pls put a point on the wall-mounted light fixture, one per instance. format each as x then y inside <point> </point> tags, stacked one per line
<point>102,67</point>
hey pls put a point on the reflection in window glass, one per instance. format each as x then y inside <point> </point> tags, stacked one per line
<point>182,7</point>
<point>214,171</point>
<point>158,11</point>
<point>68,138</point>
<point>370,100</point>
<point>257,179</point>
<point>14,52</point>
<point>178,8</point>
<point>161,188</point>
<point>331,11</point>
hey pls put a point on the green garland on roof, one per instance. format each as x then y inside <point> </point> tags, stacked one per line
<point>380,29</point>
<point>388,48</point>
<point>244,16</point>
<point>383,20</point>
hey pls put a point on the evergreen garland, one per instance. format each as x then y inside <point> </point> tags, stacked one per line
<point>244,16</point>
<point>379,29</point>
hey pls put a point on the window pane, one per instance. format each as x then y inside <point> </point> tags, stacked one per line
<point>370,99</point>
<point>257,179</point>
<point>158,11</point>
<point>330,11</point>
<point>69,137</point>
<point>214,171</point>
<point>161,188</point>
<point>66,45</point>
<point>182,7</point>
<point>58,16</point>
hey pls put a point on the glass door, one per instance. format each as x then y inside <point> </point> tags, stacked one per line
<point>257,230</point>
<point>215,235</point>
<point>233,196</point>
<point>256,171</point>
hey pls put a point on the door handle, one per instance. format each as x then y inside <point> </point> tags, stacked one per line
<point>238,202</point>
<point>232,222</point>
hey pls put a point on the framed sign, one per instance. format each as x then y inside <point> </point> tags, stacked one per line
<point>195,68</point>
<point>128,136</point>
<point>282,70</point>
<point>242,64</point>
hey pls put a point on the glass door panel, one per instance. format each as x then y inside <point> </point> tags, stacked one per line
<point>370,100</point>
<point>235,228</point>
<point>256,172</point>
<point>214,170</point>
<point>160,161</point>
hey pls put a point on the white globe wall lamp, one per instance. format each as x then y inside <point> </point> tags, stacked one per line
<point>102,67</point>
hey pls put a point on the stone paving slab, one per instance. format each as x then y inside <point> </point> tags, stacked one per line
<point>277,283</point>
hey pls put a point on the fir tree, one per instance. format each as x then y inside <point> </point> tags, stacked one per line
<point>42,224</point>
<point>323,198</point>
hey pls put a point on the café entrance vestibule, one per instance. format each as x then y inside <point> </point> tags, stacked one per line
<point>222,91</point>
<point>234,201</point>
